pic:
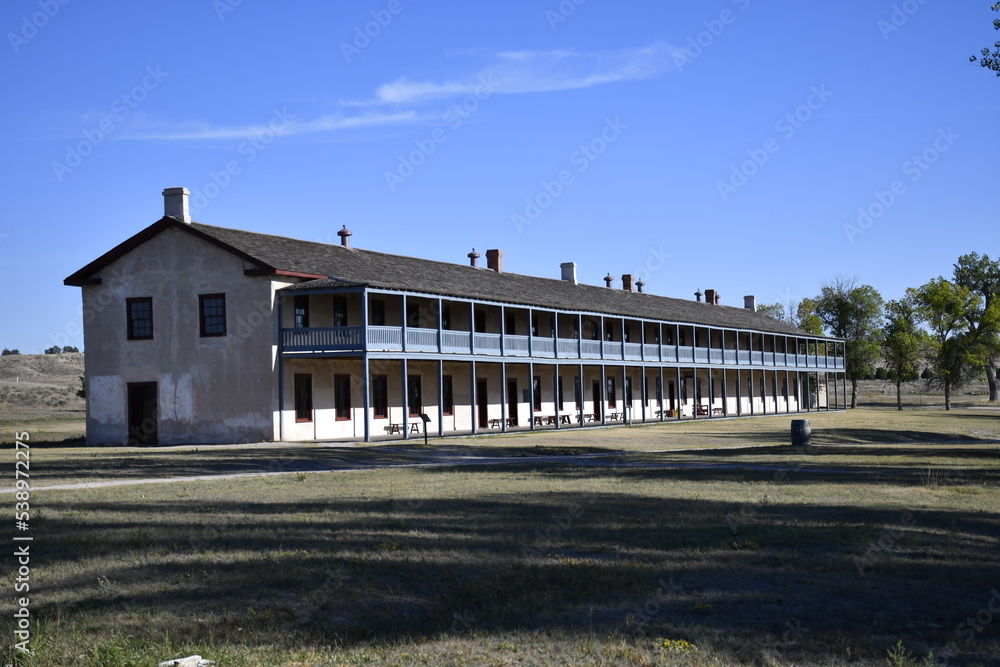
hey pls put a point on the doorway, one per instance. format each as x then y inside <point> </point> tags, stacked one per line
<point>512,401</point>
<point>142,413</point>
<point>598,403</point>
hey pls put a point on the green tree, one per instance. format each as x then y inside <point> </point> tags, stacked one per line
<point>775,310</point>
<point>806,317</point>
<point>55,349</point>
<point>7,352</point>
<point>990,60</point>
<point>981,276</point>
<point>901,342</point>
<point>944,306</point>
<point>853,313</point>
<point>82,391</point>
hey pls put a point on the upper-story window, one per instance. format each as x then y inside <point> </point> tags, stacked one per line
<point>510,322</point>
<point>480,320</point>
<point>446,318</point>
<point>139,314</point>
<point>301,312</point>
<point>212,312</point>
<point>339,311</point>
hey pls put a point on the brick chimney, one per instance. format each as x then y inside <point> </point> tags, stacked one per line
<point>494,260</point>
<point>712,297</point>
<point>750,302</point>
<point>175,204</point>
<point>569,272</point>
<point>627,284</point>
<point>473,258</point>
<point>345,236</point>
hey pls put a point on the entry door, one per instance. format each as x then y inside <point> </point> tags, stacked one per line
<point>598,403</point>
<point>416,397</point>
<point>483,403</point>
<point>512,400</point>
<point>142,413</point>
<point>673,395</point>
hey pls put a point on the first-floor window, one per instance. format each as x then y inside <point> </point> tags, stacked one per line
<point>612,398</point>
<point>380,396</point>
<point>448,389</point>
<point>303,397</point>
<point>140,317</point>
<point>212,310</point>
<point>342,396</point>
<point>536,393</point>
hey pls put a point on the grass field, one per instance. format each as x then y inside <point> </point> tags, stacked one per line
<point>877,545</point>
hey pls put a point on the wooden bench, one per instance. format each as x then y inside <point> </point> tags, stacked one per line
<point>495,422</point>
<point>394,428</point>
<point>718,411</point>
<point>614,416</point>
<point>702,409</point>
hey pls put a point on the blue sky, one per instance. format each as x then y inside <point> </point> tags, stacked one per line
<point>727,144</point>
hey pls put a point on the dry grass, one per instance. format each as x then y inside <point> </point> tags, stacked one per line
<point>773,555</point>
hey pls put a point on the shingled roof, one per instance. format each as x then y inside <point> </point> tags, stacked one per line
<point>339,266</point>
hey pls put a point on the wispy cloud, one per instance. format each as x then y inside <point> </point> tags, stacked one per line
<point>523,72</point>
<point>509,73</point>
<point>328,123</point>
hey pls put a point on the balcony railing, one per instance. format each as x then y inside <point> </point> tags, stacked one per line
<point>390,339</point>
<point>331,339</point>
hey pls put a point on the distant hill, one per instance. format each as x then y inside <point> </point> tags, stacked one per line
<point>40,385</point>
<point>42,367</point>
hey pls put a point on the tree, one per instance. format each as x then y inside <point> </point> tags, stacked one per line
<point>987,59</point>
<point>775,310</point>
<point>880,373</point>
<point>82,391</point>
<point>55,349</point>
<point>981,276</point>
<point>853,313</point>
<point>71,348</point>
<point>943,306</point>
<point>806,317</point>
<point>901,344</point>
<point>7,352</point>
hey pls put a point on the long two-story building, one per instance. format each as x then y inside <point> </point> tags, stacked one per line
<point>202,334</point>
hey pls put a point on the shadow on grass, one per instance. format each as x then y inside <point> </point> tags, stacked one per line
<point>317,571</point>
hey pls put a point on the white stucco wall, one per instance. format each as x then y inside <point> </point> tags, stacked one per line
<point>213,389</point>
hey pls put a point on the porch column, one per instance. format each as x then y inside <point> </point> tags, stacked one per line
<point>753,410</point>
<point>642,389</point>
<point>441,396</point>
<point>557,395</point>
<point>503,395</point>
<point>604,383</point>
<point>739,390</point>
<point>678,389</point>
<point>725,383</point>
<point>694,387</point>
<point>531,383</point>
<point>365,369</point>
<point>406,395</point>
<point>404,325</point>
<point>662,394</point>
<point>472,394</point>
<point>281,370</point>
<point>366,401</point>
